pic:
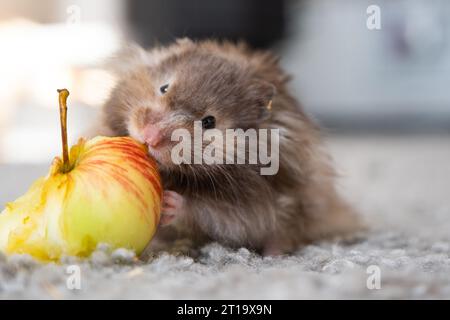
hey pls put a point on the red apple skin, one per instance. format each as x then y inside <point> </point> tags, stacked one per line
<point>111,194</point>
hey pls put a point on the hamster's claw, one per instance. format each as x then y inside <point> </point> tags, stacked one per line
<point>173,204</point>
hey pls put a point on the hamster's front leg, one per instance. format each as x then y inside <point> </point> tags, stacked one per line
<point>173,207</point>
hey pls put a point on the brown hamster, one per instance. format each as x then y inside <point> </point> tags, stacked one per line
<point>228,86</point>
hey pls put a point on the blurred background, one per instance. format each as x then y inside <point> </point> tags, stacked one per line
<point>381,94</point>
<point>351,78</point>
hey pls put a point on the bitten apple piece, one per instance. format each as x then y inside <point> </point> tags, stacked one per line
<point>109,191</point>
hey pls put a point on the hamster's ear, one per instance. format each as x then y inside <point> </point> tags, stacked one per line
<point>184,41</point>
<point>261,93</point>
<point>127,58</point>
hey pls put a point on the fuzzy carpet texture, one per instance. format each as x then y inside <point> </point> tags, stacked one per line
<point>401,186</point>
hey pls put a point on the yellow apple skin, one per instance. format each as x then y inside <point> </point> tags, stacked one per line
<point>111,194</point>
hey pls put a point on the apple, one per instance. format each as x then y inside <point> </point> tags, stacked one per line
<point>105,190</point>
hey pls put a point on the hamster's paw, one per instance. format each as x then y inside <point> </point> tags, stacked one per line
<point>274,247</point>
<point>272,250</point>
<point>173,207</point>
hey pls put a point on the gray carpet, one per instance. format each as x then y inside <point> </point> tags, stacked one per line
<point>401,185</point>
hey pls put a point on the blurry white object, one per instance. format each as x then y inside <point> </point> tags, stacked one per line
<point>37,59</point>
<point>343,69</point>
<point>416,29</point>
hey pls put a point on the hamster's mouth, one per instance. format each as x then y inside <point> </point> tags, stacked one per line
<point>158,156</point>
<point>155,154</point>
<point>162,157</point>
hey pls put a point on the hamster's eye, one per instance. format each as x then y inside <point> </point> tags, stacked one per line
<point>164,88</point>
<point>208,122</point>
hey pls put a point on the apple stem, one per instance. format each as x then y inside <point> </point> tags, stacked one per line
<point>63,94</point>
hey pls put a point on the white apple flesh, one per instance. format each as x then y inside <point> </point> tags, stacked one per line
<point>109,191</point>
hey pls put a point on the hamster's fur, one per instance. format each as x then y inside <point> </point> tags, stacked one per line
<point>232,204</point>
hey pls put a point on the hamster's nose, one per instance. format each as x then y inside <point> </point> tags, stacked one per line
<point>152,135</point>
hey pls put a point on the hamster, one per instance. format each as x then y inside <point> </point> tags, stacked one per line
<point>227,86</point>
